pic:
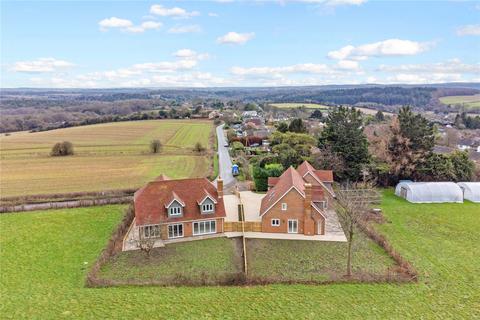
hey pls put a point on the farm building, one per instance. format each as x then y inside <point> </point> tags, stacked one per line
<point>429,192</point>
<point>471,191</point>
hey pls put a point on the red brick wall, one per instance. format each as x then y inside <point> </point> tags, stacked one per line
<point>294,211</point>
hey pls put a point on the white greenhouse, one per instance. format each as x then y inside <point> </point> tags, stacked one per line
<point>471,191</point>
<point>429,192</point>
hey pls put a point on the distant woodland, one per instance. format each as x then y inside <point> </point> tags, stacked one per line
<point>45,109</point>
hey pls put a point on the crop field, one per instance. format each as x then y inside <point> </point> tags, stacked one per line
<point>470,102</point>
<point>46,255</point>
<point>298,105</point>
<point>107,156</point>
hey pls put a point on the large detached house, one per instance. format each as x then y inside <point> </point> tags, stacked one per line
<point>169,209</point>
<point>296,202</point>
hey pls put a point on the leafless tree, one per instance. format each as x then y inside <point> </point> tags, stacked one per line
<point>353,203</point>
<point>145,243</point>
<point>156,146</point>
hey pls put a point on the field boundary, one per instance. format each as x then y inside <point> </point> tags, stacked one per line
<point>401,272</point>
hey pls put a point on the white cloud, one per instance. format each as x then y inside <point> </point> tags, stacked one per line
<point>175,12</point>
<point>334,3</point>
<point>469,30</point>
<point>114,22</point>
<point>185,29</point>
<point>348,65</point>
<point>127,25</point>
<point>235,38</point>
<point>390,47</point>
<point>190,54</point>
<point>453,66</point>
<point>41,65</point>
<point>212,14</point>
<point>277,71</point>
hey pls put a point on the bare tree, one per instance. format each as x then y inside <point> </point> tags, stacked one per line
<point>352,203</point>
<point>199,148</point>
<point>145,242</point>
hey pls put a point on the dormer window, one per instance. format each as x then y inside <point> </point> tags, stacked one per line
<point>207,207</point>
<point>175,211</point>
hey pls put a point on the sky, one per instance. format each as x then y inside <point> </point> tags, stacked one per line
<point>116,44</point>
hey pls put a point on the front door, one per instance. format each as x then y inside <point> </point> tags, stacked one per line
<point>292,226</point>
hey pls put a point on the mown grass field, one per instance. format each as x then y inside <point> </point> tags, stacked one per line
<point>470,102</point>
<point>107,156</point>
<point>45,257</point>
<point>298,105</point>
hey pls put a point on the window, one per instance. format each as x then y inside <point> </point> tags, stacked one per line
<point>175,230</point>
<point>174,211</point>
<point>275,222</point>
<point>284,206</point>
<point>152,231</point>
<point>292,226</point>
<point>204,227</point>
<point>207,207</point>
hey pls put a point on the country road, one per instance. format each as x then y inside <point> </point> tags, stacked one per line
<point>224,160</point>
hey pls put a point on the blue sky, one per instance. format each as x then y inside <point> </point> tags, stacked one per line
<point>237,43</point>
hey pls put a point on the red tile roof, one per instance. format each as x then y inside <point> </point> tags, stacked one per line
<point>272,181</point>
<point>290,178</point>
<point>150,201</point>
<point>324,175</point>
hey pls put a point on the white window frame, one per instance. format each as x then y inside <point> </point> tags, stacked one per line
<point>151,227</point>
<point>296,224</point>
<point>175,211</point>
<point>209,206</point>
<point>284,206</point>
<point>175,230</point>
<point>205,223</point>
<point>275,222</point>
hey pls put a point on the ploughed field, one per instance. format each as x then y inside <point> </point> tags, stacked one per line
<point>45,256</point>
<point>107,156</point>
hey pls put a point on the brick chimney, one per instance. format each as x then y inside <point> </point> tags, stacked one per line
<point>220,187</point>
<point>308,222</point>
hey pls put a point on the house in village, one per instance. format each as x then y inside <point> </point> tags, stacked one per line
<point>168,209</point>
<point>298,205</point>
<point>297,201</point>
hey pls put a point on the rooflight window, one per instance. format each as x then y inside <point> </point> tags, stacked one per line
<point>284,206</point>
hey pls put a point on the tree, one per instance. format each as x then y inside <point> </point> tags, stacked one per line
<point>297,126</point>
<point>316,114</point>
<point>282,127</point>
<point>343,135</point>
<point>155,146</point>
<point>62,149</point>
<point>379,116</point>
<point>411,143</point>
<point>260,175</point>
<point>436,167</point>
<point>352,203</point>
<point>326,159</point>
<point>199,148</point>
<point>146,243</point>
<point>451,137</point>
<point>287,155</point>
<point>463,167</point>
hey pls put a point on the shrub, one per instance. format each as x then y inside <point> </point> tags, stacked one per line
<point>198,148</point>
<point>155,146</point>
<point>61,149</point>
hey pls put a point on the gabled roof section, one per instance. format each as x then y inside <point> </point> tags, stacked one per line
<point>206,195</point>
<point>304,168</point>
<point>174,197</point>
<point>272,181</point>
<point>288,180</point>
<point>152,200</point>
<point>324,175</point>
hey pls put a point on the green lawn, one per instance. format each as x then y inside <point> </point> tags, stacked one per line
<point>470,102</point>
<point>283,260</point>
<point>45,256</point>
<point>298,105</point>
<point>206,261</point>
